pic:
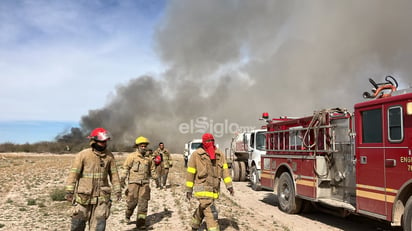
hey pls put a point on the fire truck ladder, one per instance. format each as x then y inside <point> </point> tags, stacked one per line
<point>317,138</point>
<point>291,140</point>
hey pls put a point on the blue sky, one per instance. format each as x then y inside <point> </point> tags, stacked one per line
<point>60,59</point>
<point>32,131</point>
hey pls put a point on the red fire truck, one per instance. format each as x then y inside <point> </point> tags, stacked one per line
<point>358,162</point>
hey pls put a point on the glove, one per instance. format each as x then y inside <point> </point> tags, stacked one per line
<point>119,196</point>
<point>232,192</point>
<point>69,197</point>
<point>188,195</point>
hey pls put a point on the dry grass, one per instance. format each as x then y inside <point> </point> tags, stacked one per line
<point>30,187</point>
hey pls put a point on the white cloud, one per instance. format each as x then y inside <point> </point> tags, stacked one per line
<point>60,59</point>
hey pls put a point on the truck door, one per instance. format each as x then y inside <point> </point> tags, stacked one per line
<point>257,148</point>
<point>397,146</point>
<point>251,149</point>
<point>370,161</point>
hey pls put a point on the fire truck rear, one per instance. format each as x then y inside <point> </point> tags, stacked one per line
<point>358,162</point>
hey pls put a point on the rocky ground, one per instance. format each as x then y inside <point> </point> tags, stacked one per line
<point>28,181</point>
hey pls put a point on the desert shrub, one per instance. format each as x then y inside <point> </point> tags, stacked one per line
<point>58,194</point>
<point>31,202</point>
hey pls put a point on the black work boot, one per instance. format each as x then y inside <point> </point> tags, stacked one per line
<point>78,224</point>
<point>127,216</point>
<point>141,224</point>
<point>101,225</point>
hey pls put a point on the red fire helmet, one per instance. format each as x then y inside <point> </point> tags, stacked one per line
<point>158,159</point>
<point>99,134</point>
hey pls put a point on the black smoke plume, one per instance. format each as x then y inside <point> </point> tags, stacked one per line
<point>229,61</point>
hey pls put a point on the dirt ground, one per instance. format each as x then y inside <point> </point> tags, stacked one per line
<point>27,181</point>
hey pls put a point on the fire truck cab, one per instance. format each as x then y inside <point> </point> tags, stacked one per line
<point>358,162</point>
<point>244,156</point>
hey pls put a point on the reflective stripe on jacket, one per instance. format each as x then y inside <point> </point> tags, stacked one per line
<point>203,175</point>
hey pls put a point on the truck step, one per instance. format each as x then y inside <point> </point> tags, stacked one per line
<point>337,204</point>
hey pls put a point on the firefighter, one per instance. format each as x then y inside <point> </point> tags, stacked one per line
<point>87,185</point>
<point>137,169</point>
<point>162,168</point>
<point>207,166</point>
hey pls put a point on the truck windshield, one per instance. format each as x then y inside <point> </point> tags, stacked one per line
<point>261,141</point>
<point>195,145</point>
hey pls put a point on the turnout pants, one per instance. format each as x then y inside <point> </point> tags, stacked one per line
<point>95,215</point>
<point>208,211</point>
<point>138,195</point>
<point>162,174</point>
<point>165,173</point>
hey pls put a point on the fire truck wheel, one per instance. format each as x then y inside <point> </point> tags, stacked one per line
<point>235,171</point>
<point>288,202</point>
<point>407,216</point>
<point>254,179</point>
<point>242,176</point>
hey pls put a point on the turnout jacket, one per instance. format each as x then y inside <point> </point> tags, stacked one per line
<point>138,168</point>
<point>89,176</point>
<point>203,174</point>
<point>166,157</point>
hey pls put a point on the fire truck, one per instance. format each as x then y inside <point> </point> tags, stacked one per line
<point>245,153</point>
<point>359,162</point>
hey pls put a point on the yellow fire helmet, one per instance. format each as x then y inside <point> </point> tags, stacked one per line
<point>142,140</point>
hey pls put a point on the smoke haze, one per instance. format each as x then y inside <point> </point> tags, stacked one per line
<point>229,61</point>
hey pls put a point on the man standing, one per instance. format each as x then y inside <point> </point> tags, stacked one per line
<point>162,169</point>
<point>87,185</point>
<point>207,166</point>
<point>138,168</point>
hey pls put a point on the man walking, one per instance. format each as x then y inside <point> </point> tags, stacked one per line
<point>207,166</point>
<point>162,169</point>
<point>87,185</point>
<point>138,168</point>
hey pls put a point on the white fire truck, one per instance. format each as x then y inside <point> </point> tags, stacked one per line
<point>190,147</point>
<point>358,162</point>
<point>245,152</point>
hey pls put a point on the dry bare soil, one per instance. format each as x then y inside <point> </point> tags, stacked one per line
<point>28,180</point>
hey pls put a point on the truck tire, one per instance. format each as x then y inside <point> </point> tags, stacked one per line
<point>235,171</point>
<point>288,202</point>
<point>407,216</point>
<point>255,179</point>
<point>242,175</point>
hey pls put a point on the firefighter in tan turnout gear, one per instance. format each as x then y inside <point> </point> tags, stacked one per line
<point>88,185</point>
<point>207,166</point>
<point>162,168</point>
<point>138,168</point>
